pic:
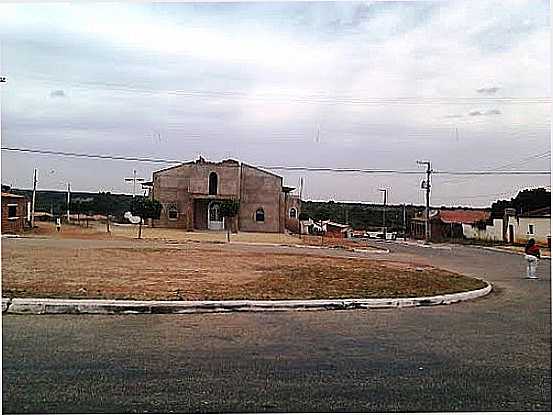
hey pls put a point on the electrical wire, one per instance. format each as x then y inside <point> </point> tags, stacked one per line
<point>283,168</point>
<point>312,98</point>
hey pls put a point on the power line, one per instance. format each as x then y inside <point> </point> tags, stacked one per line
<point>525,160</point>
<point>280,168</point>
<point>311,98</point>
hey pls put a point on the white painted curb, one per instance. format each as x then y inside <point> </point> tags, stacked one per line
<point>61,306</point>
<point>509,251</point>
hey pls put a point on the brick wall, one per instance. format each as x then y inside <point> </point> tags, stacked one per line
<point>14,224</point>
<point>260,189</point>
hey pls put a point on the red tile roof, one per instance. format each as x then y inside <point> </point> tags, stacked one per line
<point>463,216</point>
<point>5,194</point>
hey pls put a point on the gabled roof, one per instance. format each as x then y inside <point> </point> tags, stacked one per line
<point>463,216</point>
<point>261,170</point>
<point>174,167</point>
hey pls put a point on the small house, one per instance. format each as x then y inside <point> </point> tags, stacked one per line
<point>14,213</point>
<point>535,224</point>
<point>447,224</point>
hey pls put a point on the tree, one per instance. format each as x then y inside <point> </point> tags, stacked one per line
<point>145,208</point>
<point>525,201</point>
<point>229,210</point>
<point>303,216</point>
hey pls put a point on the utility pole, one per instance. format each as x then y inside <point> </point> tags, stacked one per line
<point>68,199</point>
<point>384,211</point>
<point>404,224</point>
<point>134,179</point>
<point>426,185</point>
<point>299,205</point>
<point>33,202</point>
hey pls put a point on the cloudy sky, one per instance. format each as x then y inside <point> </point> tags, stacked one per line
<point>373,85</point>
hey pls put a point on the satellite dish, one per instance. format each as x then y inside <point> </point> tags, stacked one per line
<point>132,219</point>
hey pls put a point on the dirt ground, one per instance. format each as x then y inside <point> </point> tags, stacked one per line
<point>97,230</point>
<point>91,267</point>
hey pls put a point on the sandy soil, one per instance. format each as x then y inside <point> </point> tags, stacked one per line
<point>193,271</point>
<point>97,230</point>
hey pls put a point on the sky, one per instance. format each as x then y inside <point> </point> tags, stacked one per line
<point>369,85</point>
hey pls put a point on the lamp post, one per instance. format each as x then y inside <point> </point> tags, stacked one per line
<point>385,191</point>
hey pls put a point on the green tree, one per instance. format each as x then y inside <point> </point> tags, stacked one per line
<point>145,208</point>
<point>229,210</point>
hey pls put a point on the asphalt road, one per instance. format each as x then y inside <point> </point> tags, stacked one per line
<point>491,354</point>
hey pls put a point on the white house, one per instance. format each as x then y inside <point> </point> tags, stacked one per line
<point>535,224</point>
<point>485,232</point>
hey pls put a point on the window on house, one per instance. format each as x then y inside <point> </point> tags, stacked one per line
<point>293,213</point>
<point>12,211</point>
<point>173,213</point>
<point>213,183</point>
<point>260,215</point>
<point>530,229</point>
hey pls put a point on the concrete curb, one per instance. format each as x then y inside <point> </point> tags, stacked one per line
<point>508,251</point>
<point>62,306</point>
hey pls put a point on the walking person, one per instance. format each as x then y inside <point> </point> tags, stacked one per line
<point>532,255</point>
<point>58,224</point>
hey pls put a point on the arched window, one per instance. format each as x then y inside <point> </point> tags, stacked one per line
<point>173,213</point>
<point>260,215</point>
<point>213,183</point>
<point>293,213</point>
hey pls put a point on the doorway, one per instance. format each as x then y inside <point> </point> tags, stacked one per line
<point>214,218</point>
<point>511,234</point>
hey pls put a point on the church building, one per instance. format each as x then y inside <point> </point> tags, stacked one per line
<point>191,195</point>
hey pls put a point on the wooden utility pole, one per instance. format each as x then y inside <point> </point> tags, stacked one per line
<point>299,206</point>
<point>34,199</point>
<point>384,211</point>
<point>68,199</point>
<point>404,224</point>
<point>427,185</point>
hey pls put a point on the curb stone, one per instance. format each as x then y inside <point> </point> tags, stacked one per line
<point>509,251</point>
<point>66,306</point>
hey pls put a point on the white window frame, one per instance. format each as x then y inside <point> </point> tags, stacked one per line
<point>290,213</point>
<point>9,206</point>
<point>255,215</point>
<point>169,213</point>
<point>531,227</point>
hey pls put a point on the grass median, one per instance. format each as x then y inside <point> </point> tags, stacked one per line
<point>196,271</point>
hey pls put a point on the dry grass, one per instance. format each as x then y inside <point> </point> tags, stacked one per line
<point>202,271</point>
<point>98,231</point>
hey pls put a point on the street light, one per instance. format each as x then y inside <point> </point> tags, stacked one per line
<point>385,191</point>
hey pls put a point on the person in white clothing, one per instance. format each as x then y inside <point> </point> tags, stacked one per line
<point>532,254</point>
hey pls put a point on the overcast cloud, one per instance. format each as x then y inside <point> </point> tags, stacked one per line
<point>350,84</point>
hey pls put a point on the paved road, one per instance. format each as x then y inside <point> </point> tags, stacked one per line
<point>491,354</point>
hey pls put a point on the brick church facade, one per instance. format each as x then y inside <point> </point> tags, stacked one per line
<point>191,195</point>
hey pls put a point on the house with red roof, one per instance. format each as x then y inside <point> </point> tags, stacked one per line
<point>448,224</point>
